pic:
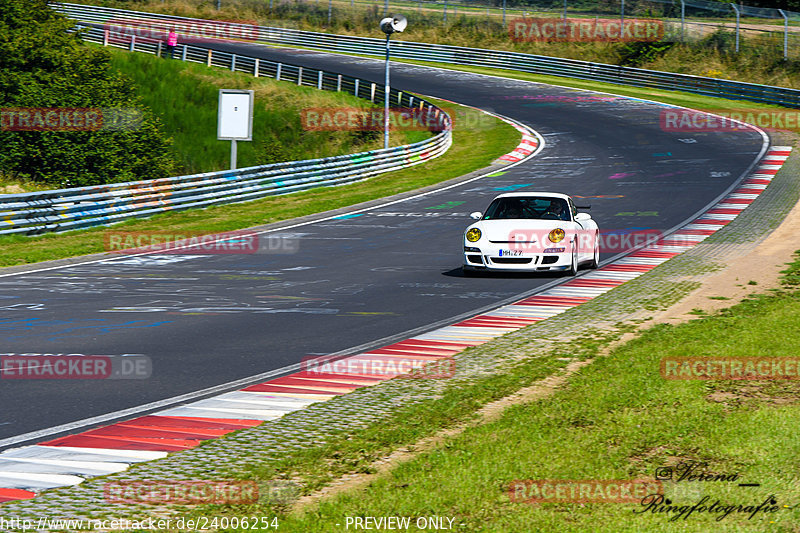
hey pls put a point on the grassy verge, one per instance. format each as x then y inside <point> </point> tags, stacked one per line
<point>477,140</point>
<point>184,96</point>
<point>618,419</point>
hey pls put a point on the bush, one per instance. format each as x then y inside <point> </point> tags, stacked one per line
<point>721,40</point>
<point>43,65</point>
<point>638,53</point>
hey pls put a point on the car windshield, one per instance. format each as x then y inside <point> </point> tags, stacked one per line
<point>528,207</point>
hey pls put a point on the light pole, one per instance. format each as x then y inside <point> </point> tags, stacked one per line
<point>785,34</point>
<point>389,25</point>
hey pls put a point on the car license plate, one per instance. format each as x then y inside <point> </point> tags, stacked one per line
<point>510,253</point>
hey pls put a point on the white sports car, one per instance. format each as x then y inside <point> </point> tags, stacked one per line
<point>531,231</point>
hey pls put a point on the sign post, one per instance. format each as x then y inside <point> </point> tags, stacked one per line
<point>235,118</point>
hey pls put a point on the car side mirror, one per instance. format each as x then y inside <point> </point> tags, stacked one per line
<point>583,216</point>
<point>476,215</point>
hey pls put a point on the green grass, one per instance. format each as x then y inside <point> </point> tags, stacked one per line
<point>618,419</point>
<point>185,96</point>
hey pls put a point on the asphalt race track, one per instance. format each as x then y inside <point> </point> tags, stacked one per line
<point>206,320</point>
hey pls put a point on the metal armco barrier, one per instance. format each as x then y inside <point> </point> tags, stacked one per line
<point>69,209</point>
<point>478,57</point>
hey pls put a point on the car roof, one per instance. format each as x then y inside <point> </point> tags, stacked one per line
<point>532,193</point>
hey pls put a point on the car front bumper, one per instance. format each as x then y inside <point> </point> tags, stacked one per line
<point>486,258</point>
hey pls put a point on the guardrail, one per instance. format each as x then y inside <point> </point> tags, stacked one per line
<point>69,209</point>
<point>475,57</point>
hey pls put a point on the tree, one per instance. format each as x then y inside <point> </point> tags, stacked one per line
<point>43,64</point>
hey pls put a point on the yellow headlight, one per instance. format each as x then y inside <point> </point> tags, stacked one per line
<point>473,235</point>
<point>557,235</point>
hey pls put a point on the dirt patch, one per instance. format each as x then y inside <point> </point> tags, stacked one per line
<point>756,272</point>
<point>661,455</point>
<point>755,394</point>
<point>11,189</point>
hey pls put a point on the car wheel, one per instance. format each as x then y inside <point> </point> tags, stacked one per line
<point>596,257</point>
<point>573,267</point>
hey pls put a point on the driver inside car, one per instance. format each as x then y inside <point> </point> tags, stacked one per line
<point>556,211</point>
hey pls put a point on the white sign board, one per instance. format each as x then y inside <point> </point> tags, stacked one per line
<point>235,115</point>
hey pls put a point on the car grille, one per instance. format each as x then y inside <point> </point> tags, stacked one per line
<point>511,260</point>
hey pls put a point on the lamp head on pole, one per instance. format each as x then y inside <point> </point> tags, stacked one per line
<point>393,24</point>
